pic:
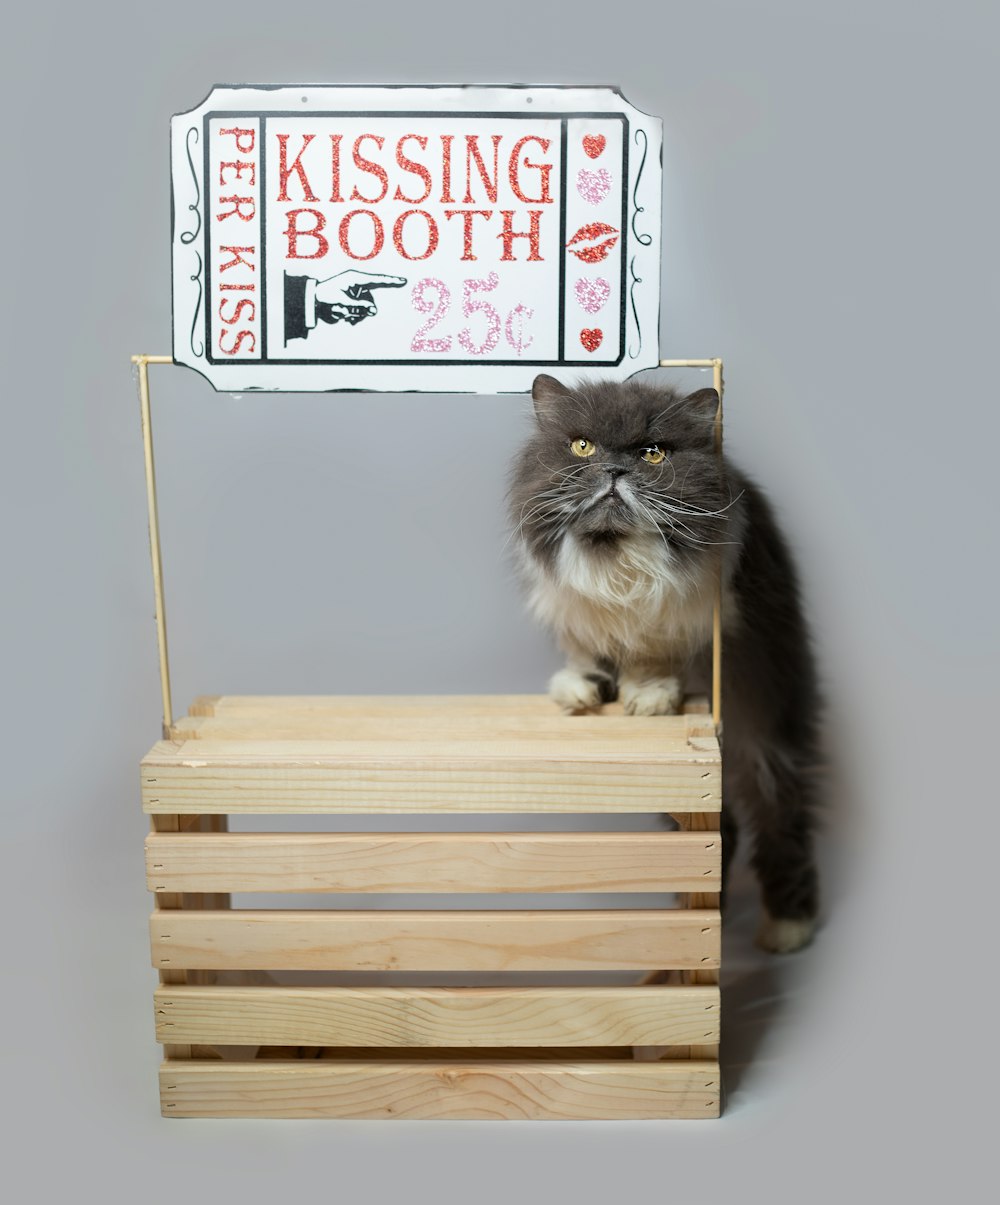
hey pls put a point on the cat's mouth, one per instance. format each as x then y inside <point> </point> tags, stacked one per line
<point>613,496</point>
<point>609,513</point>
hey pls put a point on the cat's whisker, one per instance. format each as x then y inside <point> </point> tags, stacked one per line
<point>691,508</point>
<point>553,491</point>
<point>656,527</point>
<point>702,510</point>
<point>676,511</point>
<point>539,508</point>
<point>674,405</point>
<point>670,517</point>
<point>673,478</point>
<point>548,507</point>
<point>674,521</point>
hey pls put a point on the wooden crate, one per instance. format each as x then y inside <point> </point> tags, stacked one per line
<point>501,1047</point>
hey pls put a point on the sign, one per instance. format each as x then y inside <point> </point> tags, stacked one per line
<point>414,238</point>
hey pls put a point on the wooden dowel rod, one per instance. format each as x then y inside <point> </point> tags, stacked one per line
<point>689,363</point>
<point>717,614</point>
<point>142,363</point>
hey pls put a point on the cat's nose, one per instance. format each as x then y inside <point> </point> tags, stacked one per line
<point>615,471</point>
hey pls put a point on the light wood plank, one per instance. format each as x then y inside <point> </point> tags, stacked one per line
<point>392,750</point>
<point>382,776</point>
<point>432,862</point>
<point>627,732</point>
<point>530,940</point>
<point>441,1089</point>
<point>399,706</point>
<point>434,1017</point>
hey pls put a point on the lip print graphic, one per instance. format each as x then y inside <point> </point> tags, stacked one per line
<point>593,186</point>
<point>591,338</point>
<point>593,145</point>
<point>592,294</point>
<point>597,250</point>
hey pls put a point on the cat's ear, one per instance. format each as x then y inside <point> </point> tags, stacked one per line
<point>547,393</point>
<point>704,403</point>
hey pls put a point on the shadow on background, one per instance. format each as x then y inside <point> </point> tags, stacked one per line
<point>764,995</point>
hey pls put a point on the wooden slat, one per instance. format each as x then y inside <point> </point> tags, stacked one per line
<point>422,862</point>
<point>398,706</point>
<point>429,1017</point>
<point>424,776</point>
<point>627,732</point>
<point>614,939</point>
<point>442,1089</point>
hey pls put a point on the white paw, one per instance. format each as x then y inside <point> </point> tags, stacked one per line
<point>784,936</point>
<point>655,696</point>
<point>573,692</point>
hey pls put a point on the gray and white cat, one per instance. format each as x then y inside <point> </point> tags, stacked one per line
<point>623,512</point>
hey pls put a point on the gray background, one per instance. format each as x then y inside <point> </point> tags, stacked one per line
<point>830,209</point>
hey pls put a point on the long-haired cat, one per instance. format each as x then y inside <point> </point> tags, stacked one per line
<point>623,512</point>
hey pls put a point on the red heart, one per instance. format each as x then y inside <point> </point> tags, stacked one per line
<point>594,144</point>
<point>591,338</point>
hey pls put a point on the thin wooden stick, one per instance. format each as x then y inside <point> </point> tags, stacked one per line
<point>154,531</point>
<point>689,363</point>
<point>717,614</point>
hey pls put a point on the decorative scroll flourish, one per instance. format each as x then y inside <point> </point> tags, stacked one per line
<point>636,280</point>
<point>196,277</point>
<point>642,238</point>
<point>645,239</point>
<point>190,235</point>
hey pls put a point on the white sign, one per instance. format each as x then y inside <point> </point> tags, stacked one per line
<point>414,238</point>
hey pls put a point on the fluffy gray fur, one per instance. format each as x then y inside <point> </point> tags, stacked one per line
<point>620,558</point>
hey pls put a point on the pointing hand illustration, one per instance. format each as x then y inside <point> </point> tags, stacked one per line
<point>348,295</point>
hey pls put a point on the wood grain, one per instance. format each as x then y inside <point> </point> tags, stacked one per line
<point>170,902</point>
<point>432,1051</point>
<point>432,862</point>
<point>702,822</point>
<point>398,706</point>
<point>626,731</point>
<point>530,940</point>
<point>442,1016</point>
<point>441,1089</point>
<point>428,776</point>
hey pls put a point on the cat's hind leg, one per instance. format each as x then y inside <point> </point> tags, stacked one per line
<point>730,833</point>
<point>778,795</point>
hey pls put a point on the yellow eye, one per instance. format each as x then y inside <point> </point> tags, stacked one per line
<point>654,455</point>
<point>583,447</point>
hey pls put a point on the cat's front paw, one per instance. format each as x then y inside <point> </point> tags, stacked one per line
<point>780,935</point>
<point>574,692</point>
<point>654,696</point>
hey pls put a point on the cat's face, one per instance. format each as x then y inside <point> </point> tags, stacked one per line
<point>611,459</point>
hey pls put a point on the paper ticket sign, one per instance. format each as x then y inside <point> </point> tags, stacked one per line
<point>414,238</point>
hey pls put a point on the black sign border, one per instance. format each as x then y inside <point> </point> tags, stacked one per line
<point>563,116</point>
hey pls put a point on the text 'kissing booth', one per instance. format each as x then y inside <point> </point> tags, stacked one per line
<point>425,239</point>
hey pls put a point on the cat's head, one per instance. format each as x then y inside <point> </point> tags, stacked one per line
<point>608,460</point>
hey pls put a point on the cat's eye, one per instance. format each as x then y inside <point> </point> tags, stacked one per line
<point>583,447</point>
<point>654,454</point>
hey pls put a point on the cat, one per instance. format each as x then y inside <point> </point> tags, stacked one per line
<point>623,513</point>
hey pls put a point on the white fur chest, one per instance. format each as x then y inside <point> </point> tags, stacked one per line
<point>628,606</point>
